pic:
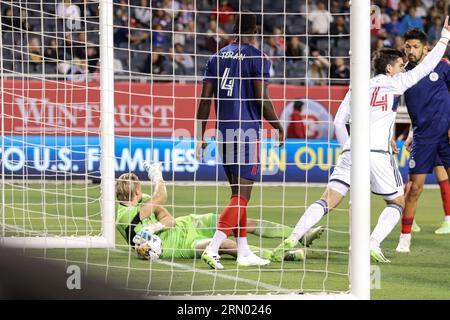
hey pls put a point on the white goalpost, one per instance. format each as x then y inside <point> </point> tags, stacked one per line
<point>41,238</point>
<point>360,175</point>
<point>90,89</point>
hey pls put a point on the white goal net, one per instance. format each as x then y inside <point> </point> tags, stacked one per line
<point>78,83</point>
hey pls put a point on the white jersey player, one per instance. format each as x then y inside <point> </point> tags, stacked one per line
<point>389,83</point>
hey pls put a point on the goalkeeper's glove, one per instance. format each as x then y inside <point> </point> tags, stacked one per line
<point>144,234</point>
<point>153,228</point>
<point>154,171</point>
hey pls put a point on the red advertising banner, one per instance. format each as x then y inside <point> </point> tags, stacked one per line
<point>141,109</point>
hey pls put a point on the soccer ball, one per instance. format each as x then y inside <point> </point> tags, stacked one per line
<point>150,249</point>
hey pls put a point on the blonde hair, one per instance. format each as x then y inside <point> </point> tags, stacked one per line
<point>126,186</point>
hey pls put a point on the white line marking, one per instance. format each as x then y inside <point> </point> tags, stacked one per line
<point>257,284</point>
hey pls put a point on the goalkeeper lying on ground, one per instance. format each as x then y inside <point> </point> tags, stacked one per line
<point>185,236</point>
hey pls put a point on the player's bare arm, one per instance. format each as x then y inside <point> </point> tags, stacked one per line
<point>203,111</point>
<point>163,215</point>
<point>262,97</point>
<point>409,140</point>
<point>395,149</point>
<point>159,197</point>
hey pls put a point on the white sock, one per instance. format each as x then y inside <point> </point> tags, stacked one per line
<point>408,235</point>
<point>216,241</point>
<point>374,243</point>
<point>243,249</point>
<point>447,218</point>
<point>386,222</point>
<point>312,215</point>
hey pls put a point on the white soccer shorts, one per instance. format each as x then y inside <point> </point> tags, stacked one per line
<point>385,178</point>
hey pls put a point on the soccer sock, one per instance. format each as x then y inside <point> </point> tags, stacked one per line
<point>262,252</point>
<point>216,241</point>
<point>312,215</point>
<point>243,248</point>
<point>445,195</point>
<point>228,219</point>
<point>407,223</point>
<point>386,222</point>
<point>241,212</point>
<point>234,220</point>
<point>268,229</point>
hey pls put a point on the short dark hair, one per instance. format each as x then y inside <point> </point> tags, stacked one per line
<point>381,58</point>
<point>245,23</point>
<point>298,105</point>
<point>416,34</point>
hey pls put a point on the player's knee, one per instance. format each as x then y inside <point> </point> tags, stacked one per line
<point>399,201</point>
<point>415,191</point>
<point>334,194</point>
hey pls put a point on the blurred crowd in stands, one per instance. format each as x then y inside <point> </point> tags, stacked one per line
<point>307,41</point>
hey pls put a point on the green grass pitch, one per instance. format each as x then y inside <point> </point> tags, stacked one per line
<point>418,275</point>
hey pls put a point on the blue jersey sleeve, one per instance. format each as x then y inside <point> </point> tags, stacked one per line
<point>261,68</point>
<point>210,74</point>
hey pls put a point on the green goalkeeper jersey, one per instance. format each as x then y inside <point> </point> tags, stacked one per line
<point>128,222</point>
<point>179,241</point>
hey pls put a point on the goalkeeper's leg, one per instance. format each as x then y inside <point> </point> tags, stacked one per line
<point>228,246</point>
<point>269,229</point>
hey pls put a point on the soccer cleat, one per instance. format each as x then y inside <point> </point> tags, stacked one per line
<point>295,255</point>
<point>265,253</point>
<point>378,255</point>
<point>415,227</point>
<point>212,260</point>
<point>154,170</point>
<point>279,252</point>
<point>311,235</point>
<point>404,243</point>
<point>252,260</point>
<point>444,228</point>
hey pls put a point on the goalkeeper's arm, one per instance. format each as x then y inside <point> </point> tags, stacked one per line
<point>165,218</point>
<point>158,198</point>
